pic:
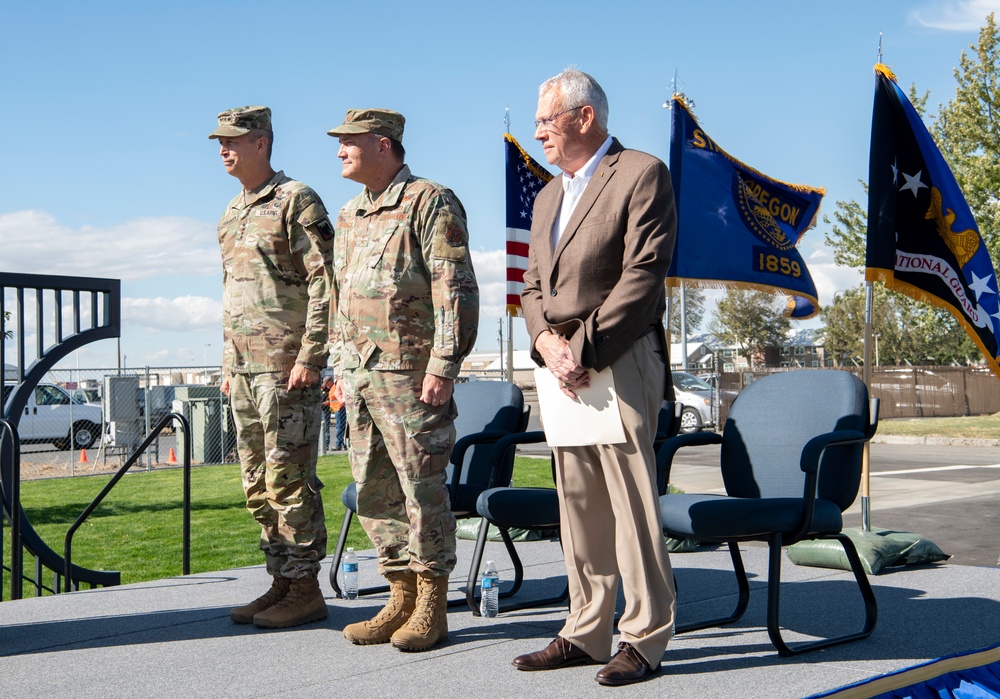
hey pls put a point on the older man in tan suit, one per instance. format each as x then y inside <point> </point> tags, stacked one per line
<point>601,242</point>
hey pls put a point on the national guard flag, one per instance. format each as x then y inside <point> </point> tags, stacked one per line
<point>922,238</point>
<point>737,227</point>
<point>525,178</point>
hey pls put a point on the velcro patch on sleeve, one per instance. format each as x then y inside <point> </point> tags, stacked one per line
<point>451,237</point>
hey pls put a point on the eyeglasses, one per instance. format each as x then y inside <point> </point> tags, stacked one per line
<point>549,121</point>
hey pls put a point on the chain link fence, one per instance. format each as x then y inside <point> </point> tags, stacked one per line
<point>82,421</point>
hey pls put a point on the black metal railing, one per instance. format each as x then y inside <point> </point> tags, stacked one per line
<point>63,314</point>
<point>8,429</point>
<point>186,526</point>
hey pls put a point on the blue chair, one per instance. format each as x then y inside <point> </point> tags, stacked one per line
<point>791,459</point>
<point>533,509</point>
<point>487,411</point>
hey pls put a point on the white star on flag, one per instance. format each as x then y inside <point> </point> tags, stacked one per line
<point>913,183</point>
<point>981,285</point>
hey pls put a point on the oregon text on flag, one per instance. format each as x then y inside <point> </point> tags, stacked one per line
<point>737,227</point>
<point>922,238</point>
<point>525,178</point>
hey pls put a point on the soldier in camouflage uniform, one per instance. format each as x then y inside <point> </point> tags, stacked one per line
<point>276,243</point>
<point>405,314</point>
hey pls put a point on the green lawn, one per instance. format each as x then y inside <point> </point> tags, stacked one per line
<point>975,427</point>
<point>137,529</point>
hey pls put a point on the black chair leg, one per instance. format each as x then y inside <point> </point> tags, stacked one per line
<point>472,600</point>
<point>519,579</point>
<point>773,599</point>
<point>515,560</point>
<point>339,553</point>
<point>477,559</point>
<point>742,600</point>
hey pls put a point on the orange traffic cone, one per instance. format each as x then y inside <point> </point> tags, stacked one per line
<point>83,457</point>
<point>172,457</point>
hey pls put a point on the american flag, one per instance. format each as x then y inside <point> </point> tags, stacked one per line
<point>525,178</point>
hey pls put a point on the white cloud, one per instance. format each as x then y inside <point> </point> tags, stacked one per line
<point>35,242</point>
<point>830,278</point>
<point>491,273</point>
<point>181,314</point>
<point>954,15</point>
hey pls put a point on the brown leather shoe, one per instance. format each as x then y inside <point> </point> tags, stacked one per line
<point>626,667</point>
<point>559,653</point>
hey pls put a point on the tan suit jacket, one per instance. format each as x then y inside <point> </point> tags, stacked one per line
<point>603,286</point>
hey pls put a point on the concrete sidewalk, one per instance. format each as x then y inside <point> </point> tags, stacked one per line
<point>173,637</point>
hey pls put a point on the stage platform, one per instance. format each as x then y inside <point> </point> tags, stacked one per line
<point>173,637</point>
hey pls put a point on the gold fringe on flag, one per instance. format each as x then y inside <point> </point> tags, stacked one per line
<point>888,279</point>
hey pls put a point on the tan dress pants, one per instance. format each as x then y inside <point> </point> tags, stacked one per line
<point>611,528</point>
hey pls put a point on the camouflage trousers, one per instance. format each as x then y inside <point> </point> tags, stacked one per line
<point>277,434</point>
<point>399,451</point>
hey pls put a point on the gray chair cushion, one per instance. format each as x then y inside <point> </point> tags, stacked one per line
<point>523,508</point>
<point>719,517</point>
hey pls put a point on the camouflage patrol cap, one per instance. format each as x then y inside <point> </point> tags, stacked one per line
<point>236,122</point>
<point>383,122</point>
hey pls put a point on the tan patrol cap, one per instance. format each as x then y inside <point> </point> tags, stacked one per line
<point>236,122</point>
<point>383,122</point>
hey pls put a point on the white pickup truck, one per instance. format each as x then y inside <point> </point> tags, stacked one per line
<point>51,416</point>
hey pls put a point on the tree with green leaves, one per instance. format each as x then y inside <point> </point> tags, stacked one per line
<point>967,131</point>
<point>694,309</point>
<point>753,321</point>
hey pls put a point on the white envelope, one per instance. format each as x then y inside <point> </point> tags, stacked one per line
<point>592,418</point>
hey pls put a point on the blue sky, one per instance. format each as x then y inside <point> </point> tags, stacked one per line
<point>108,172</point>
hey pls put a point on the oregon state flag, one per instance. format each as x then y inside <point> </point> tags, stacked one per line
<point>922,238</point>
<point>524,178</point>
<point>737,227</point>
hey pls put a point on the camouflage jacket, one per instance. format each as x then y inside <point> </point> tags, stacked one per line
<point>405,295</point>
<point>276,245</point>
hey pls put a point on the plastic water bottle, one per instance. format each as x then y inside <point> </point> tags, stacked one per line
<point>489,603</point>
<point>349,567</point>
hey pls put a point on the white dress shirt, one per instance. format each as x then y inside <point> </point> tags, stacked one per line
<point>573,186</point>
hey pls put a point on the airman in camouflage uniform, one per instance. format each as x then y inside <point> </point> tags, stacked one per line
<point>276,240</point>
<point>405,314</point>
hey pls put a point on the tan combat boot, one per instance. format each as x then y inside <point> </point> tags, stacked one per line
<point>303,603</point>
<point>428,625</point>
<point>402,600</point>
<point>245,614</point>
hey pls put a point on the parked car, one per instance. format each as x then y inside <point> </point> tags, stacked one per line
<point>696,396</point>
<point>86,395</point>
<point>52,416</point>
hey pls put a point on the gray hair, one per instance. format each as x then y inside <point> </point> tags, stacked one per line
<point>579,89</point>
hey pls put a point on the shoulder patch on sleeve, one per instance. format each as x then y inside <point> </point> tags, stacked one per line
<point>451,237</point>
<point>324,228</point>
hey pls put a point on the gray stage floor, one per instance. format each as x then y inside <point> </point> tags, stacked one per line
<point>173,638</point>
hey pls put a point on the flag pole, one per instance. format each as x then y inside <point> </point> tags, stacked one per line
<point>684,334</point>
<point>867,378</point>
<point>510,317</point>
